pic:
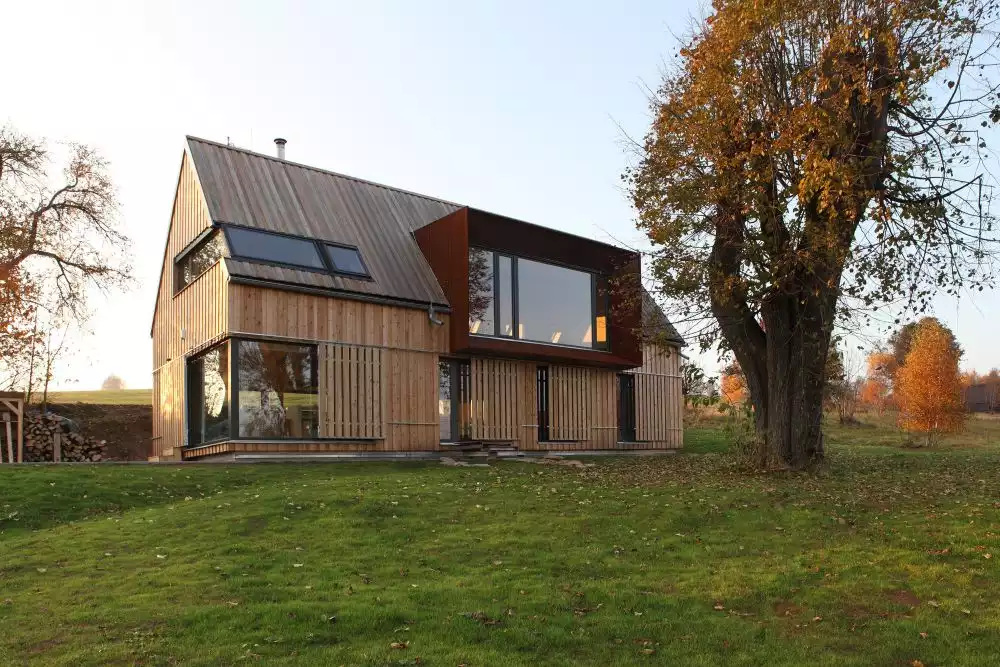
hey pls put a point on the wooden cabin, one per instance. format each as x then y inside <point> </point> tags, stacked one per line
<point>307,314</point>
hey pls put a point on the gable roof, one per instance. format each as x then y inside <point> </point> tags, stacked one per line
<point>656,327</point>
<point>264,192</point>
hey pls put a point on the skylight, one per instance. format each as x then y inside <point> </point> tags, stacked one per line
<point>346,260</point>
<point>277,248</point>
<point>297,252</point>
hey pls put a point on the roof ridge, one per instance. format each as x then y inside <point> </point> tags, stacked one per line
<point>323,171</point>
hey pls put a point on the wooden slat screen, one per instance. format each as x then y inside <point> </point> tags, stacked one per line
<point>658,396</point>
<point>569,403</point>
<point>351,391</point>
<point>494,400</point>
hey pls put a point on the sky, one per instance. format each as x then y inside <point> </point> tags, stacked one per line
<point>521,108</point>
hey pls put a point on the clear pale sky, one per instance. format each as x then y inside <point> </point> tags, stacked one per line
<point>514,107</point>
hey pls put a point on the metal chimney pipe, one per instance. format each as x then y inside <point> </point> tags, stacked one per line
<point>280,143</point>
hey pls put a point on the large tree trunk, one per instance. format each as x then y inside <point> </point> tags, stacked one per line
<point>784,363</point>
<point>798,341</point>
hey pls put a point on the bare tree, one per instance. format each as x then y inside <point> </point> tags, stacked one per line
<point>59,236</point>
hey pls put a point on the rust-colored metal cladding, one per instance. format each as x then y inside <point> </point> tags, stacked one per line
<point>446,243</point>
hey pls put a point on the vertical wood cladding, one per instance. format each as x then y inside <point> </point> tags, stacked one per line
<point>495,403</point>
<point>659,397</point>
<point>378,363</point>
<point>168,410</point>
<point>200,310</point>
<point>583,404</point>
<point>351,395</point>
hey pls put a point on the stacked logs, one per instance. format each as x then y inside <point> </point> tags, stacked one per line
<point>40,434</point>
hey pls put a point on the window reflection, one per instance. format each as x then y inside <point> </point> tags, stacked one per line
<point>208,396</point>
<point>481,292</point>
<point>554,304</point>
<point>199,260</point>
<point>277,390</point>
<point>505,295</point>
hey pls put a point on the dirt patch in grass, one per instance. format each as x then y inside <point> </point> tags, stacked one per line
<point>127,428</point>
<point>905,598</point>
<point>785,608</point>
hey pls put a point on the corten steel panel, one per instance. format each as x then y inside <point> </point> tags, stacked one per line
<point>446,243</point>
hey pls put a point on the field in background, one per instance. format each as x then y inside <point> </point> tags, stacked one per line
<point>706,432</point>
<point>101,397</point>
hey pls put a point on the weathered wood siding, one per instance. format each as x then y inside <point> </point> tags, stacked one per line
<point>378,364</point>
<point>168,410</point>
<point>495,399</point>
<point>583,404</point>
<point>351,391</point>
<point>659,398</point>
<point>200,309</point>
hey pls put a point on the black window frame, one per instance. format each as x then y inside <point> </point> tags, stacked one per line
<point>194,246</point>
<point>232,396</point>
<point>318,245</point>
<point>367,275</point>
<point>542,403</point>
<point>627,428</point>
<point>189,393</point>
<point>234,361</point>
<point>460,385</point>
<point>514,291</point>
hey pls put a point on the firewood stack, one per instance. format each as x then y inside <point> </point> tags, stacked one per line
<point>40,435</point>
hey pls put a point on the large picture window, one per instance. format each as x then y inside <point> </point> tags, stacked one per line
<point>277,390</point>
<point>208,396</point>
<point>536,301</point>
<point>253,389</point>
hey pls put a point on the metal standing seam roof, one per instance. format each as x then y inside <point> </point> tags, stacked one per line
<point>267,193</point>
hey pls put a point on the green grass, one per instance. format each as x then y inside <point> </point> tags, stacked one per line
<point>648,560</point>
<point>103,397</point>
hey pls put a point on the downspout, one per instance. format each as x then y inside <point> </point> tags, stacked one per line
<point>432,315</point>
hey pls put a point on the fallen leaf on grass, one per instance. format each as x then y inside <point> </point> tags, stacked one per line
<point>923,635</point>
<point>400,645</point>
<point>648,651</point>
<point>718,606</point>
<point>481,617</point>
<point>583,611</point>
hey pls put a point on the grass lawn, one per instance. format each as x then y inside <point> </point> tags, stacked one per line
<point>103,397</point>
<point>886,557</point>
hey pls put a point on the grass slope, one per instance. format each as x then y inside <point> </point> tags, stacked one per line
<point>885,557</point>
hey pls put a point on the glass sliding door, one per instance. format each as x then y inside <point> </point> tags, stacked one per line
<point>445,413</point>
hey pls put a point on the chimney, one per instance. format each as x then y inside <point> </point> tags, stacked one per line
<point>280,143</point>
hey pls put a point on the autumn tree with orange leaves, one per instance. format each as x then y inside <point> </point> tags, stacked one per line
<point>802,162</point>
<point>732,386</point>
<point>929,385</point>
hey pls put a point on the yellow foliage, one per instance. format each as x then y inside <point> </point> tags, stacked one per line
<point>733,388</point>
<point>928,386</point>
